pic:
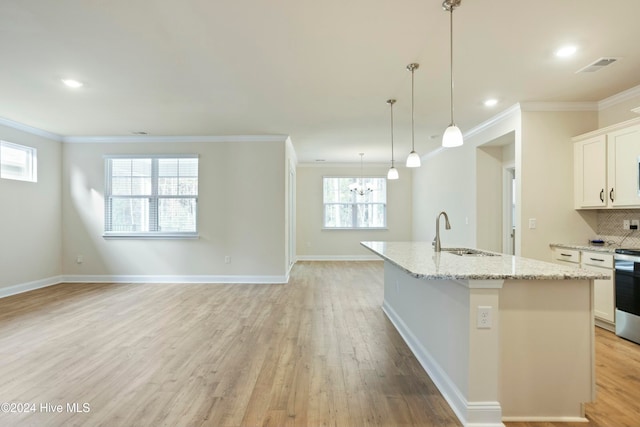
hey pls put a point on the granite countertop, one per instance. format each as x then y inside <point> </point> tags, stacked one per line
<point>607,248</point>
<point>421,261</point>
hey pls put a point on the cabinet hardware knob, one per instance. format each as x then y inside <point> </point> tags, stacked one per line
<point>602,195</point>
<point>596,259</point>
<point>611,194</point>
<point>565,254</point>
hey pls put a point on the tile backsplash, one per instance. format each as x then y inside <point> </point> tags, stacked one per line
<point>610,227</point>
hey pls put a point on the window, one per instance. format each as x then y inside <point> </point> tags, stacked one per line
<point>151,196</point>
<point>344,208</point>
<point>18,162</point>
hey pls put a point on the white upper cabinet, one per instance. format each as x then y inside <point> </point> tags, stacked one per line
<point>606,172</point>
<point>622,162</point>
<point>591,172</point>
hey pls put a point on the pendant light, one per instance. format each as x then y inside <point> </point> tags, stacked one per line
<point>452,135</point>
<point>393,172</point>
<point>413,161</point>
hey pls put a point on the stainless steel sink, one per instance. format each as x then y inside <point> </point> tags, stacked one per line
<point>467,252</point>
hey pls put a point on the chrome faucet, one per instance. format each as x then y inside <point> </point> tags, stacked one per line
<point>438,248</point>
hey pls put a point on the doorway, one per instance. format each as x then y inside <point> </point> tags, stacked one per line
<point>496,195</point>
<point>509,210</point>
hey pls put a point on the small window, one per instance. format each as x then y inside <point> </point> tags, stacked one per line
<point>151,196</point>
<point>18,162</point>
<point>346,207</point>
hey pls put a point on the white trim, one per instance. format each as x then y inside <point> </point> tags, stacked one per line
<point>476,414</point>
<point>506,114</point>
<point>346,165</point>
<point>619,98</point>
<point>143,278</point>
<point>172,139</point>
<point>545,419</point>
<point>338,258</point>
<point>56,280</point>
<point>30,129</point>
<point>29,286</point>
<point>636,110</point>
<point>559,106</point>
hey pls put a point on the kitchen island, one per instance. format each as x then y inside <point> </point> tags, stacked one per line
<point>504,338</point>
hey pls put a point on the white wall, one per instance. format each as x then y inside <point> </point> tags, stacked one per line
<point>315,243</point>
<point>447,181</point>
<point>546,181</point>
<point>241,214</point>
<point>31,216</point>
<point>456,180</point>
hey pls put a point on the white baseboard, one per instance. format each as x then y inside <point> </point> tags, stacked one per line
<point>545,419</point>
<point>30,286</point>
<point>142,278</point>
<point>50,281</point>
<point>338,258</point>
<point>470,414</point>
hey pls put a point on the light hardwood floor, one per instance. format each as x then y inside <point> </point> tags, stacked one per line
<point>315,352</point>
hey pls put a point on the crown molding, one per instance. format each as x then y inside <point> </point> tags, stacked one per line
<point>172,139</point>
<point>504,115</point>
<point>559,106</point>
<point>618,98</point>
<point>30,129</point>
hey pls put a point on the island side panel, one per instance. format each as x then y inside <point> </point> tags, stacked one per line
<point>547,349</point>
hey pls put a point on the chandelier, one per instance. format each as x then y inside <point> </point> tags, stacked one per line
<point>359,187</point>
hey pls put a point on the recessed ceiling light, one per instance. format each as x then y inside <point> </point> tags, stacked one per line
<point>490,102</point>
<point>72,83</point>
<point>566,51</point>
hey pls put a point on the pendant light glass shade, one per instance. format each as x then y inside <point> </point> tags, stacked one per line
<point>393,172</point>
<point>413,161</point>
<point>452,136</point>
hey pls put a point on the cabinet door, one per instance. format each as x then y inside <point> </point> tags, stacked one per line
<point>603,294</point>
<point>590,172</point>
<point>622,163</point>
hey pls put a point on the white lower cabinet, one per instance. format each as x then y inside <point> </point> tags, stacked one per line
<point>604,300</point>
<point>568,257</point>
<point>604,297</point>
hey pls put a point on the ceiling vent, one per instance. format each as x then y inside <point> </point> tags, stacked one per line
<point>597,65</point>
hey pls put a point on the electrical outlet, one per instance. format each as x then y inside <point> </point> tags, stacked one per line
<point>79,259</point>
<point>484,317</point>
<point>533,223</point>
<point>227,259</point>
<point>626,224</point>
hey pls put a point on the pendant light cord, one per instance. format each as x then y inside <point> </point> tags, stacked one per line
<point>451,58</point>
<point>413,148</point>
<point>392,161</point>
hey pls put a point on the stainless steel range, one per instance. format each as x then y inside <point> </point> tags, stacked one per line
<point>627,262</point>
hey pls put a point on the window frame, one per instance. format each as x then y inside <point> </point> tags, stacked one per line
<point>31,174</point>
<point>354,204</point>
<point>154,198</point>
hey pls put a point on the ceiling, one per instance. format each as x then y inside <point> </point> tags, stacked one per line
<point>319,71</point>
